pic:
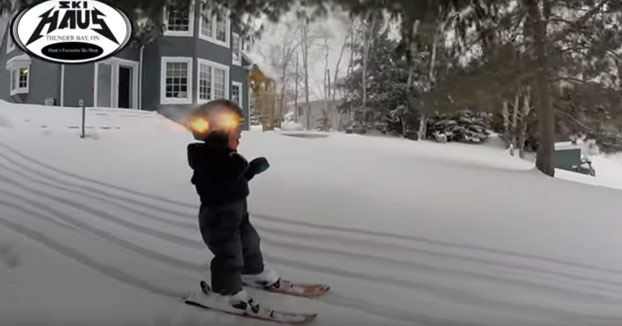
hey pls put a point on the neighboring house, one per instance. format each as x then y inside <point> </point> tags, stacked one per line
<point>313,120</point>
<point>197,59</point>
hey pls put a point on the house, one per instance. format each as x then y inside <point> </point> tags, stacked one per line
<point>263,99</point>
<point>198,58</point>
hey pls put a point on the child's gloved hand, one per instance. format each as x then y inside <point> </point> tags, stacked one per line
<point>257,166</point>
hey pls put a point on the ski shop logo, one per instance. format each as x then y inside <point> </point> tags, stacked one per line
<point>71,31</point>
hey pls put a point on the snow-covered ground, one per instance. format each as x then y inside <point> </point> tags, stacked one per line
<point>103,230</point>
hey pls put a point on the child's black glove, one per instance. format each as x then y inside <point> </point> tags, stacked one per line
<point>257,166</point>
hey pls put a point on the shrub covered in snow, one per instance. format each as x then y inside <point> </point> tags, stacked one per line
<point>463,126</point>
<point>292,126</point>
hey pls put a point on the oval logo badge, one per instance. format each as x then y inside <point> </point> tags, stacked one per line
<point>71,31</point>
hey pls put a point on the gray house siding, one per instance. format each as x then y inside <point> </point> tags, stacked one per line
<point>79,79</point>
<point>5,77</point>
<point>4,84</point>
<point>166,46</point>
<point>44,78</point>
<point>151,77</point>
<point>130,52</point>
<point>79,84</point>
<point>170,46</point>
<point>240,75</point>
<point>44,82</point>
<point>213,52</point>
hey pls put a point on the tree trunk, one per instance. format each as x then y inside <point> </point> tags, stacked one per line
<point>410,63</point>
<point>336,80</point>
<point>329,105</point>
<point>296,77</point>
<point>514,129</point>
<point>326,84</point>
<point>305,64</point>
<point>544,106</point>
<point>506,123</point>
<point>367,48</point>
<point>281,106</point>
<point>523,129</point>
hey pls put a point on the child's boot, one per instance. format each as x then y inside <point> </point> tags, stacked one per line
<point>265,279</point>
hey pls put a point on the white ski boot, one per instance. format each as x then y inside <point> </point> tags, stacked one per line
<point>242,305</point>
<point>240,301</point>
<point>266,279</point>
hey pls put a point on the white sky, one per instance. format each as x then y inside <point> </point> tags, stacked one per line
<point>336,24</point>
<point>278,33</point>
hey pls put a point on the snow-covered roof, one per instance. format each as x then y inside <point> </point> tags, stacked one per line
<point>18,60</point>
<point>566,145</point>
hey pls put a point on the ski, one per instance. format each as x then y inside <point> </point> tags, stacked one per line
<point>209,300</point>
<point>295,289</point>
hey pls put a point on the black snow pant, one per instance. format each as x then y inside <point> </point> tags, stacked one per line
<point>234,242</point>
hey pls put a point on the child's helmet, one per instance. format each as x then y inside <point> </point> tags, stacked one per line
<point>215,117</point>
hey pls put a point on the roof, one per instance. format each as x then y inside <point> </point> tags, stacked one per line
<point>258,75</point>
<point>18,60</point>
<point>247,58</point>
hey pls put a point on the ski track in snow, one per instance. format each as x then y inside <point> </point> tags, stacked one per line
<point>199,245</point>
<point>22,178</point>
<point>192,209</point>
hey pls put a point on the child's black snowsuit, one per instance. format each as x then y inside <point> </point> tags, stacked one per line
<point>221,178</point>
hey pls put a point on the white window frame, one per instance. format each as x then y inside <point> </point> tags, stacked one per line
<point>213,76</point>
<point>15,64</point>
<point>241,92</point>
<point>163,98</point>
<point>116,63</point>
<point>189,32</point>
<point>239,39</point>
<point>212,21</point>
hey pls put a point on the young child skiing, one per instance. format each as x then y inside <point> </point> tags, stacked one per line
<point>221,177</point>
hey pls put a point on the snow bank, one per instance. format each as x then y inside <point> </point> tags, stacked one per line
<point>292,126</point>
<point>5,122</point>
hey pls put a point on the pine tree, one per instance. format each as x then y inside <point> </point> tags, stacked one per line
<point>386,91</point>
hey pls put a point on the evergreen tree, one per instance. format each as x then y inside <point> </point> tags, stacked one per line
<point>386,89</point>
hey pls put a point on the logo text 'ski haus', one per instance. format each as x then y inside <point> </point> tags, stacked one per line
<point>71,31</point>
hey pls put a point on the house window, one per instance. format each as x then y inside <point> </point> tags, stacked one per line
<point>176,80</point>
<point>236,93</point>
<point>19,74</point>
<point>205,83</point>
<point>178,22</point>
<point>219,83</point>
<point>236,49</point>
<point>215,27</point>
<point>221,29</point>
<point>207,26</point>
<point>213,81</point>
<point>19,80</point>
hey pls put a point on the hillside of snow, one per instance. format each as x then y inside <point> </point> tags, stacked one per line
<point>104,231</point>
